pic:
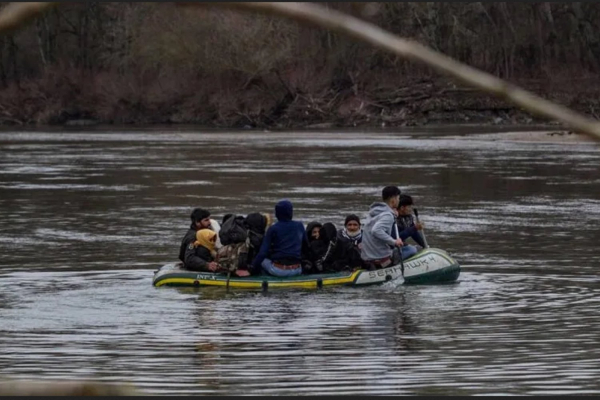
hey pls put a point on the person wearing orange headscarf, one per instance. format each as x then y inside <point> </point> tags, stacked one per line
<point>201,254</point>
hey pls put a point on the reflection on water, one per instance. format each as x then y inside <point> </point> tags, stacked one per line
<point>86,218</point>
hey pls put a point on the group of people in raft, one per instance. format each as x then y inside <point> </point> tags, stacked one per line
<point>286,248</point>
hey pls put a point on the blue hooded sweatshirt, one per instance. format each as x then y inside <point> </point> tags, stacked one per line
<point>284,240</point>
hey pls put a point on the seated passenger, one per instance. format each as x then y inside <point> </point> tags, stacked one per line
<point>257,225</point>
<point>328,238</point>
<point>200,220</point>
<point>201,255</point>
<point>349,241</point>
<point>407,227</point>
<point>317,247</point>
<point>281,251</point>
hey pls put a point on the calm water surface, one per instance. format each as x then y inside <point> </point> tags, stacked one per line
<point>85,219</point>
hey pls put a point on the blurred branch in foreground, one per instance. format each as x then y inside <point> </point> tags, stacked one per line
<point>314,14</point>
<point>64,388</point>
<point>15,15</point>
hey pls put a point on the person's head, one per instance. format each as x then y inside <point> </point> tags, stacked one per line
<point>391,196</point>
<point>200,218</point>
<point>256,222</point>
<point>225,218</point>
<point>328,232</point>
<point>206,238</point>
<point>352,223</point>
<point>314,233</point>
<point>284,210</point>
<point>313,230</point>
<point>405,205</point>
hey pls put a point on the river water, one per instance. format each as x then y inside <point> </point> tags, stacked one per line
<point>86,217</point>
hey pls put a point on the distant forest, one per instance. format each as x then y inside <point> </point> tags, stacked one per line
<point>149,63</point>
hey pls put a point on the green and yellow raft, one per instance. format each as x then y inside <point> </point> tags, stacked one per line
<point>429,266</point>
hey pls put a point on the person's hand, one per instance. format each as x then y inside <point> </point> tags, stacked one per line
<point>359,246</point>
<point>419,226</point>
<point>213,266</point>
<point>242,272</point>
<point>399,242</point>
<point>319,265</point>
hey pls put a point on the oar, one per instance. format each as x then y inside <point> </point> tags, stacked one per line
<point>399,249</point>
<point>422,230</point>
<point>227,284</point>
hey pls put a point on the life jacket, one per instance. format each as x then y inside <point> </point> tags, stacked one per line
<point>233,231</point>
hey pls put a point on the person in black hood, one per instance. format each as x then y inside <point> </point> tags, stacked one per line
<point>313,229</point>
<point>257,225</point>
<point>321,245</point>
<point>328,236</point>
<point>317,246</point>
<point>200,220</point>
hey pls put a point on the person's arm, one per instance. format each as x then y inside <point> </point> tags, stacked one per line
<point>408,232</point>
<point>192,261</point>
<point>334,250</point>
<point>380,231</point>
<point>305,246</point>
<point>264,249</point>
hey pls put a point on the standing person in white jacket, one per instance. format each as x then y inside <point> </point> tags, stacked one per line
<point>379,248</point>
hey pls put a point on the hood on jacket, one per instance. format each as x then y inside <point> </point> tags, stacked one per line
<point>379,208</point>
<point>206,238</point>
<point>268,220</point>
<point>257,223</point>
<point>309,228</point>
<point>284,210</point>
<point>226,217</point>
<point>328,232</point>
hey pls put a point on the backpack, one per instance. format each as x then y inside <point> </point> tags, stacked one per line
<point>233,256</point>
<point>233,231</point>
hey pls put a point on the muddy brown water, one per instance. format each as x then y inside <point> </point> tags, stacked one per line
<point>86,217</point>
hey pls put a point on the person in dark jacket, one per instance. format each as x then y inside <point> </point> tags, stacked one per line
<point>350,240</point>
<point>313,229</point>
<point>281,251</point>
<point>407,228</point>
<point>201,255</point>
<point>200,220</point>
<point>327,261</point>
<point>317,245</point>
<point>344,250</point>
<point>257,225</point>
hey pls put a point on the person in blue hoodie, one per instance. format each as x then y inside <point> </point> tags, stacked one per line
<point>281,251</point>
<point>379,248</point>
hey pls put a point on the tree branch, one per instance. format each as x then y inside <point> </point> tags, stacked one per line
<point>15,15</point>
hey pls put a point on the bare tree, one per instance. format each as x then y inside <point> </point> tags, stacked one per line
<point>443,37</point>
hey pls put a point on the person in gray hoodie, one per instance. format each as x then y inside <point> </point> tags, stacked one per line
<point>379,248</point>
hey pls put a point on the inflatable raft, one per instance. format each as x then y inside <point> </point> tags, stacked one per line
<point>426,267</point>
